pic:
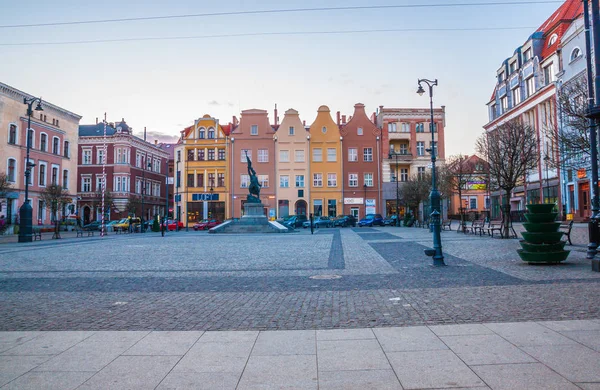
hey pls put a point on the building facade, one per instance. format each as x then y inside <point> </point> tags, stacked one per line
<point>325,165</point>
<point>526,90</point>
<point>202,174</point>
<point>474,197</point>
<point>361,165</point>
<point>134,171</point>
<point>291,152</point>
<point>406,136</point>
<point>170,149</point>
<point>255,137</point>
<point>53,153</point>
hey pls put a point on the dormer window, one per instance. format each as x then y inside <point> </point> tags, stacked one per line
<point>359,131</point>
<point>201,133</point>
<point>527,55</point>
<point>501,77</point>
<point>513,67</point>
<point>211,133</point>
<point>575,54</point>
<point>552,40</point>
<point>324,129</point>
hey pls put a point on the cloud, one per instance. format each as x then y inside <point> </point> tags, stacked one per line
<point>160,136</point>
<point>230,104</point>
<point>214,103</point>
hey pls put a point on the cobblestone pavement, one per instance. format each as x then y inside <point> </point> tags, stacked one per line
<point>337,278</point>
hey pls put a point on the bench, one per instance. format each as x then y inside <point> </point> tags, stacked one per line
<point>79,232</point>
<point>447,224</point>
<point>495,226</point>
<point>478,226</point>
<point>37,234</point>
<point>566,229</point>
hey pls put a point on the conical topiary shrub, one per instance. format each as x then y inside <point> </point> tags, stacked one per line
<point>542,241</point>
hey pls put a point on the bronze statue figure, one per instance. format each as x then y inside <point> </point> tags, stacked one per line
<point>254,187</point>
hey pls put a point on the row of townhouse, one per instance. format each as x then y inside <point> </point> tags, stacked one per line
<point>528,82</point>
<point>330,167</point>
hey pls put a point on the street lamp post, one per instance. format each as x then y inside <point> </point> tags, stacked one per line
<point>395,155</point>
<point>434,196</point>
<point>25,212</point>
<point>177,181</point>
<point>210,201</point>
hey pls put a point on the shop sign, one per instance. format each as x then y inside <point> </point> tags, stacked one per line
<point>476,185</point>
<point>205,197</point>
<point>353,200</point>
<point>581,173</point>
<point>370,210</point>
<point>370,202</point>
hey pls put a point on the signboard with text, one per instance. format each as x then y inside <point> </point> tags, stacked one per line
<point>203,197</point>
<point>353,200</point>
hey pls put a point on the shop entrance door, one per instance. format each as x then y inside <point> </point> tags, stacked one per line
<point>584,200</point>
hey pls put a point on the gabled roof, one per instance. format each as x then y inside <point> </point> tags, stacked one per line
<point>95,130</point>
<point>226,129</point>
<point>558,23</point>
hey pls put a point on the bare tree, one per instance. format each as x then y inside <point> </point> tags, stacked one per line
<point>511,152</point>
<point>4,183</point>
<point>54,196</point>
<point>414,191</point>
<point>134,205</point>
<point>458,171</point>
<point>108,200</point>
<point>569,138</point>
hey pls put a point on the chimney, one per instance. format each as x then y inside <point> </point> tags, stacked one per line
<point>338,118</point>
<point>96,120</point>
<point>304,123</point>
<point>275,115</point>
<point>155,142</point>
<point>343,120</point>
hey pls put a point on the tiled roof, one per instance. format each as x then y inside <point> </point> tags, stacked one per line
<point>226,128</point>
<point>95,130</point>
<point>169,148</point>
<point>558,23</point>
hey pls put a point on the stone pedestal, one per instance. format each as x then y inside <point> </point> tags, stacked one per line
<point>253,221</point>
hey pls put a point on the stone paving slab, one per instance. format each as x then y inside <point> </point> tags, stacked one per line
<point>358,361</point>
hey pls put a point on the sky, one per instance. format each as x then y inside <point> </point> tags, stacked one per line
<point>164,85</point>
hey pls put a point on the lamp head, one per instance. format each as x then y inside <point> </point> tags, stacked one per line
<point>39,106</point>
<point>420,91</point>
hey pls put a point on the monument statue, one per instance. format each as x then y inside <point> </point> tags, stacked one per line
<point>254,188</point>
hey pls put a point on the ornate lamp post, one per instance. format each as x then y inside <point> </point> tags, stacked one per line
<point>210,201</point>
<point>25,212</point>
<point>395,155</point>
<point>434,196</point>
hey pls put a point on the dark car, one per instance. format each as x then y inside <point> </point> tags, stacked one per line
<point>345,220</point>
<point>96,225</point>
<point>294,221</point>
<point>319,222</point>
<point>391,221</point>
<point>371,220</point>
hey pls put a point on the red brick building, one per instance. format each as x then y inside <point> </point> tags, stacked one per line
<point>130,162</point>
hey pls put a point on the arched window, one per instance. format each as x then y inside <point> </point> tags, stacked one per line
<point>211,133</point>
<point>12,170</point>
<point>201,133</point>
<point>66,151</point>
<point>12,134</point>
<point>575,54</point>
<point>56,145</point>
<point>43,142</point>
<point>552,40</point>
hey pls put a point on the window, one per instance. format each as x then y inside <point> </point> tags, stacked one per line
<point>530,84</point>
<point>359,131</point>
<point>41,210</point>
<point>548,74</point>
<point>352,154</point>
<point>86,184</point>
<point>404,149</point>
<point>513,67</point>
<point>12,134</point>
<point>331,154</point>
<point>55,145</point>
<point>244,181</point>
<point>317,155</point>
<point>504,103</point>
<point>31,138</point>
<point>66,151</point>
<point>138,159</point>
<point>211,180</point>
<point>433,147</point>
<point>12,168</point>
<point>156,163</point>
<point>420,172</point>
<point>221,154</point>
<point>65,181</point>
<point>284,181</point>
<point>118,184</point>
<point>317,207</point>
<point>99,183</point>
<point>202,133</point>
<point>473,203</point>
<point>200,179</point>
<point>368,154</point>
<point>420,128</point>
<point>284,156</point>
<point>353,179</point>
<point>527,55</point>
<point>299,155</point>
<point>406,127</point>
<point>263,155</point>
<point>43,142</point>
<point>324,129</point>
<point>254,130</point>
<point>190,180</point>
<point>317,180</point>
<point>191,155</point>
<point>501,77</point>
<point>263,180</point>
<point>291,130</point>
<point>201,155</point>
<point>179,155</point>
<point>420,148</point>
<point>516,95</point>
<point>42,174</point>
<point>433,127</point>
<point>392,127</point>
<point>220,180</point>
<point>300,181</point>
<point>368,179</point>
<point>211,154</point>
<point>243,155</point>
<point>87,156</point>
<point>331,180</point>
<point>575,54</point>
<point>403,174</point>
<point>211,133</point>
<point>122,156</point>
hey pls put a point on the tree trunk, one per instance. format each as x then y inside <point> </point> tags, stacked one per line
<point>506,215</point>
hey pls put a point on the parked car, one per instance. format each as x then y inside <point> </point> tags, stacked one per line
<point>96,225</point>
<point>345,220</point>
<point>294,221</point>
<point>371,220</point>
<point>124,223</point>
<point>391,221</point>
<point>172,225</point>
<point>318,222</point>
<point>206,224</point>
